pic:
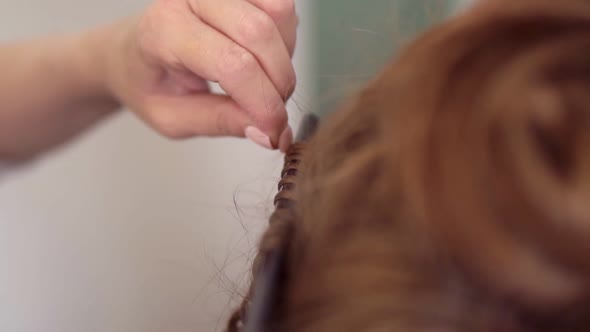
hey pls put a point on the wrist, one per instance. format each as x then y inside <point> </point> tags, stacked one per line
<point>120,60</point>
<point>91,60</point>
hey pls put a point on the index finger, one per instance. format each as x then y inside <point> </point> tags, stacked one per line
<point>285,17</point>
<point>213,56</point>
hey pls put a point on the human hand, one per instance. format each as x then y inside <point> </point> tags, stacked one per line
<point>164,58</point>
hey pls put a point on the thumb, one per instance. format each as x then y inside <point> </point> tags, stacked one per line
<point>185,116</point>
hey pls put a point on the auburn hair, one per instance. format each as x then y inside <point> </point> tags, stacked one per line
<point>452,193</point>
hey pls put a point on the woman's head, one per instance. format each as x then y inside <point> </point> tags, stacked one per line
<point>453,193</point>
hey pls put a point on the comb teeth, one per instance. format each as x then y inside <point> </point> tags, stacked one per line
<point>285,199</point>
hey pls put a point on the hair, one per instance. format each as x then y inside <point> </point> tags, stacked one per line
<point>453,193</point>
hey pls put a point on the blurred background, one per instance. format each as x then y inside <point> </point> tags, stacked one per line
<point>356,39</point>
<point>125,231</point>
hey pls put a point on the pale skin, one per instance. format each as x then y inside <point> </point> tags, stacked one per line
<point>157,65</point>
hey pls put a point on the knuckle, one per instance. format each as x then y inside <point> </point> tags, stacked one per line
<point>280,9</point>
<point>235,61</point>
<point>152,30</point>
<point>159,12</point>
<point>195,5</point>
<point>167,125</point>
<point>256,27</point>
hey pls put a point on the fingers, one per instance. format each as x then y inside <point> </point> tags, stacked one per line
<point>179,117</point>
<point>185,116</point>
<point>283,14</point>
<point>255,31</point>
<point>211,55</point>
<point>244,45</point>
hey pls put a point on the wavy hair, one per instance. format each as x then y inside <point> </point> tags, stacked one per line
<point>453,192</point>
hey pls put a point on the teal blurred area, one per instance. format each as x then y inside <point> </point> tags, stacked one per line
<point>354,39</point>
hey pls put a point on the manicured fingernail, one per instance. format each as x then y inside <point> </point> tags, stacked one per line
<point>255,135</point>
<point>286,139</point>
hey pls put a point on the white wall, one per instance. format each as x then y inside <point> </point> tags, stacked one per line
<point>124,231</point>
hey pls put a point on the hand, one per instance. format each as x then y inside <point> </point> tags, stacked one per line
<point>163,60</point>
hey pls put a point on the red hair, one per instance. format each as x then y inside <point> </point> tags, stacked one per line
<point>453,193</point>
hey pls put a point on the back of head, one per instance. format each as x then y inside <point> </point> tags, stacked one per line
<point>453,193</point>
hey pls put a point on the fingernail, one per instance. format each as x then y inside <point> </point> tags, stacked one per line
<point>257,136</point>
<point>286,139</point>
